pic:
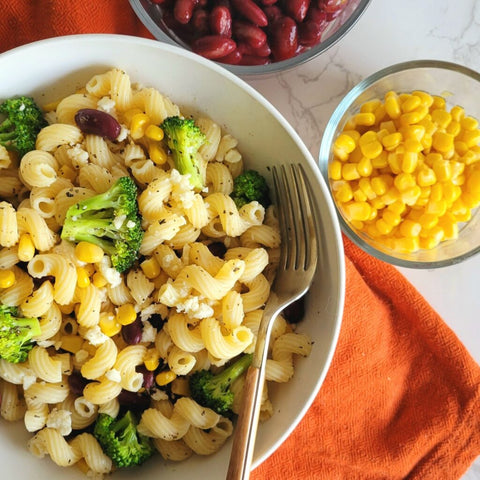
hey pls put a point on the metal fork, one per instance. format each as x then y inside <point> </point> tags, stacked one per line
<point>298,262</point>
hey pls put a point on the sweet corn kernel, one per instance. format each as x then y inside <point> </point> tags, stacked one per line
<point>150,268</point>
<point>152,359</point>
<point>449,225</point>
<point>370,106</point>
<point>389,126</point>
<point>438,103</point>
<point>26,248</point>
<point>443,142</point>
<point>469,200</point>
<point>72,343</point>
<point>428,221</point>
<point>126,314</point>
<point>164,378</point>
<point>410,118</point>
<point>157,153</point>
<point>441,117</point>
<point>88,252</point>
<point>359,211</point>
<point>154,132</point>
<point>359,196</point>
<point>381,184</point>
<point>364,119</point>
<point>391,195</point>
<point>99,280</point>
<point>470,137</point>
<point>366,187</point>
<point>381,161</point>
<point>453,128</point>
<point>411,195</point>
<point>392,105</point>
<point>473,183</point>
<point>335,170</point>
<point>469,157</point>
<point>391,218</point>
<point>394,162</point>
<point>410,103</point>
<point>442,169</point>
<point>406,244</point>
<point>409,162</point>
<point>364,167</point>
<point>83,279</point>
<point>138,125</point>
<point>427,141</point>
<point>426,176</point>
<point>438,207</point>
<point>451,192</point>
<point>344,145</point>
<point>392,141</point>
<point>108,324</point>
<point>7,278</point>
<point>469,123</point>
<point>425,98</point>
<point>397,207</point>
<point>342,191</point>
<point>457,113</point>
<point>368,137</point>
<point>404,181</point>
<point>371,149</point>
<point>350,172</point>
<point>383,227</point>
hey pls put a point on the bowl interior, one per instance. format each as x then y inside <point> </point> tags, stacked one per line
<point>150,14</point>
<point>460,86</point>
<point>48,70</point>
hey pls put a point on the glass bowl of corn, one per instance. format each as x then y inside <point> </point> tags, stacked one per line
<point>401,156</point>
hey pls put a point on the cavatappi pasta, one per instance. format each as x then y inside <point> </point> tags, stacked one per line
<point>195,309</point>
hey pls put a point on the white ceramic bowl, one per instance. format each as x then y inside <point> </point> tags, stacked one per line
<point>55,67</point>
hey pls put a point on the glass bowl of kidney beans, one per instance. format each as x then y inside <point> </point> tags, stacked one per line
<point>251,36</point>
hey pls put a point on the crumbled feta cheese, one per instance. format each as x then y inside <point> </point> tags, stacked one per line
<point>111,275</point>
<point>61,420</point>
<point>114,375</point>
<point>124,132</point>
<point>158,395</point>
<point>106,104</point>
<point>194,308</point>
<point>131,224</point>
<point>149,333</point>
<point>95,336</point>
<point>78,156</point>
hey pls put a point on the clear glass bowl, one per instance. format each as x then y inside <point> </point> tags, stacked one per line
<point>460,86</point>
<point>151,16</point>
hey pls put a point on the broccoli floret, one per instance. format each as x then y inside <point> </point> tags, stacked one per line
<point>184,138</point>
<point>109,220</point>
<point>23,120</point>
<point>121,441</point>
<point>213,391</point>
<point>250,186</point>
<point>16,334</point>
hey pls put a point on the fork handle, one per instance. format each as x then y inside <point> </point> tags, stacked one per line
<point>246,427</point>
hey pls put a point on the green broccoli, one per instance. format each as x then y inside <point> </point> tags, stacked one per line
<point>23,120</point>
<point>121,441</point>
<point>184,138</point>
<point>109,220</point>
<point>250,186</point>
<point>213,391</point>
<point>16,334</point>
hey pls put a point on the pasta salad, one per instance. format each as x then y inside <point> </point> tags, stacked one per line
<point>115,340</point>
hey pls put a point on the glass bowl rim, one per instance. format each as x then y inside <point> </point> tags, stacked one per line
<point>328,137</point>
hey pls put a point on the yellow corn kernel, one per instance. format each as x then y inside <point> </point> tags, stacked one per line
<point>469,157</point>
<point>397,207</point>
<point>394,162</point>
<point>350,172</point>
<point>463,217</point>
<point>457,113</point>
<point>412,145</point>
<point>389,126</point>
<point>443,142</point>
<point>342,191</point>
<point>410,103</point>
<point>83,279</point>
<point>372,230</point>
<point>426,142</point>
<point>357,211</point>
<point>438,207</point>
<point>469,123</point>
<point>415,116</point>
<point>426,176</point>
<point>409,228</point>
<point>381,161</point>
<point>392,105</point>
<point>442,169</point>
<point>391,195</point>
<point>370,106</point>
<point>371,149</point>
<point>451,192</point>
<point>344,145</point>
<point>438,103</point>
<point>26,248</point>
<point>366,187</point>
<point>409,162</point>
<point>164,378</point>
<point>469,200</point>
<point>126,314</point>
<point>441,117</point>
<point>88,252</point>
<point>108,324</point>
<point>473,182</point>
<point>383,227</point>
<point>154,132</point>
<point>364,167</point>
<point>377,203</point>
<point>157,153</point>
<point>413,132</point>
<point>359,196</point>
<point>428,221</point>
<point>449,224</point>
<point>380,113</point>
<point>152,359</point>
<point>335,170</point>
<point>411,195</point>
<point>391,218</point>
<point>392,141</point>
<point>7,278</point>
<point>453,128</point>
<point>72,343</point>
<point>404,181</point>
<point>406,244</point>
<point>99,280</point>
<point>381,183</point>
<point>425,98</point>
<point>368,137</point>
<point>150,267</point>
<point>357,224</point>
<point>364,119</point>
<point>138,125</point>
<point>470,137</point>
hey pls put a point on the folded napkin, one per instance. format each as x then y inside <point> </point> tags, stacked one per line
<point>402,396</point>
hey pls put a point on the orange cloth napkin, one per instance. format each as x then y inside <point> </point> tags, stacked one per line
<point>402,397</point>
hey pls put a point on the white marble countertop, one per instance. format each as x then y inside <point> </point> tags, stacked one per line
<point>390,32</point>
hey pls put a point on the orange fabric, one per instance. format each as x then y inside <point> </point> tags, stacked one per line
<point>401,399</point>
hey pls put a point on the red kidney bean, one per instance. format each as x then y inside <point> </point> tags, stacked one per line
<point>297,9</point>
<point>262,51</point>
<point>251,11</point>
<point>183,10</point>
<point>233,58</point>
<point>213,46</point>
<point>311,30</point>
<point>97,122</point>
<point>132,333</point>
<point>77,383</point>
<point>268,2</point>
<point>249,33</point>
<point>331,6</point>
<point>133,401</point>
<point>221,21</point>
<point>273,13</point>
<point>148,376</point>
<point>284,38</point>
<point>254,60</point>
<point>200,22</point>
